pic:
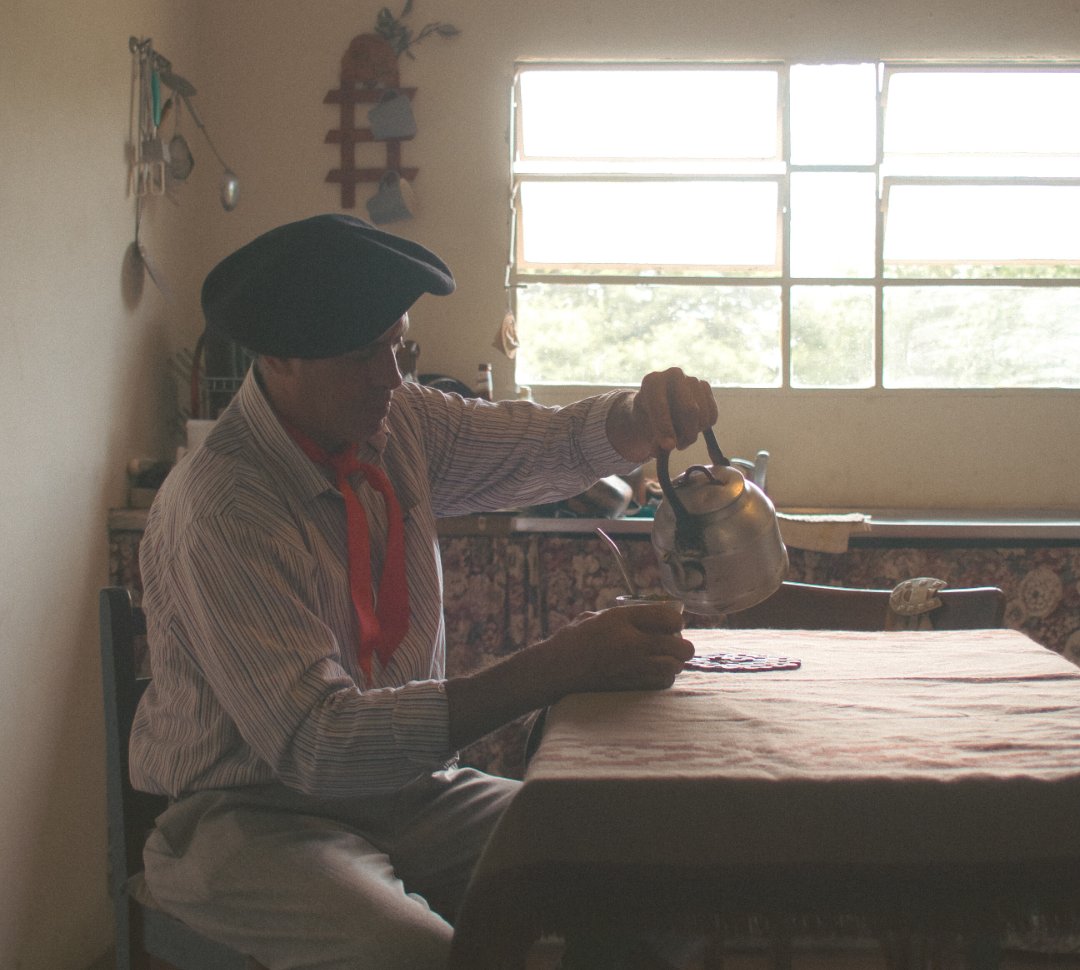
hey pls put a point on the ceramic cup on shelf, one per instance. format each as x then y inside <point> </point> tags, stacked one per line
<point>197,430</point>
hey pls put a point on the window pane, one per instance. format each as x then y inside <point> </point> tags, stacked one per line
<point>615,334</point>
<point>834,114</point>
<point>833,221</point>
<point>973,336</point>
<point>650,113</point>
<point>982,223</point>
<point>832,336</point>
<point>1003,111</point>
<point>652,223</point>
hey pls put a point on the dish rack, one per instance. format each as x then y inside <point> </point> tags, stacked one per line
<point>211,393</point>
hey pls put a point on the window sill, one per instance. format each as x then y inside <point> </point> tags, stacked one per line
<point>1037,525</point>
<point>1012,524</point>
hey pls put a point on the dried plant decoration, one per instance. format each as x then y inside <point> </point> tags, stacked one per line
<point>400,37</point>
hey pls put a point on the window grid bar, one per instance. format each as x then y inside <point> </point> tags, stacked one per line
<point>991,180</point>
<point>646,159</point>
<point>520,278</point>
<point>879,235</point>
<point>785,228</point>
<point>975,67</point>
<point>647,177</point>
<point>1029,283</point>
<point>517,114</point>
<point>793,168</point>
<point>525,64</point>
<point>511,257</point>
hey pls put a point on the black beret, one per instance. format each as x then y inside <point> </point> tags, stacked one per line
<point>319,287</point>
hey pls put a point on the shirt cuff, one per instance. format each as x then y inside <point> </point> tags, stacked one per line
<point>594,440</point>
<point>421,722</point>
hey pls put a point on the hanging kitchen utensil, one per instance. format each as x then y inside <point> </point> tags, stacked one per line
<point>143,256</point>
<point>147,149</point>
<point>230,181</point>
<point>392,117</point>
<point>154,273</point>
<point>152,153</point>
<point>132,276</point>
<point>181,161</point>
<point>156,165</point>
<point>155,96</point>
<point>717,537</point>
<point>230,190</point>
<point>182,86</point>
<point>388,203</point>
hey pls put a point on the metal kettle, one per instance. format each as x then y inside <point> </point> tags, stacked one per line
<point>716,536</point>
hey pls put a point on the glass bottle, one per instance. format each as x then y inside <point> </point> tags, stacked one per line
<point>484,389</point>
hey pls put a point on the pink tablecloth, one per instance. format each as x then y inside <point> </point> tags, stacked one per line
<point>945,766</point>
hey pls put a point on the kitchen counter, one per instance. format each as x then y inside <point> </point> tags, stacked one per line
<point>1018,524</point>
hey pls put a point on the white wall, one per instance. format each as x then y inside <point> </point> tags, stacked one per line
<point>77,399</point>
<point>85,386</point>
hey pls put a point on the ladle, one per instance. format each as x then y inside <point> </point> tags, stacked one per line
<point>230,182</point>
<point>619,559</point>
<point>230,190</point>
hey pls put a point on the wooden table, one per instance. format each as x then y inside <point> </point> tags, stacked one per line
<point>895,782</point>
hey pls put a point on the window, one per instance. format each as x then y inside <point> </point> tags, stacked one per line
<point>808,226</point>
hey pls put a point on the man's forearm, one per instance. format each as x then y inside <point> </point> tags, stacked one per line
<point>633,648</point>
<point>523,682</point>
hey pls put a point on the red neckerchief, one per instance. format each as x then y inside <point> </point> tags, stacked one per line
<point>382,627</point>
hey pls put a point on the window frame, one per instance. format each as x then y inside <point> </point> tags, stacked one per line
<point>519,273</point>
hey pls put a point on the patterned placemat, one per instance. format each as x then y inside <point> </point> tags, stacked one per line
<point>737,662</point>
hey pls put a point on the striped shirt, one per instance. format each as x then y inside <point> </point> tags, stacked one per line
<point>251,625</point>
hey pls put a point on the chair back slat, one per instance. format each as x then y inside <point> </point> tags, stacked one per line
<point>131,812</point>
<point>980,608</point>
<point>804,606</point>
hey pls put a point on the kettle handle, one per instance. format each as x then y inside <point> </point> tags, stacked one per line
<point>682,517</point>
<point>715,453</point>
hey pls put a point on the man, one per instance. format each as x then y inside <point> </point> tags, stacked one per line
<point>299,717</point>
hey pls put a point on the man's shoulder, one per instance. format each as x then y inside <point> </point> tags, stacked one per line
<point>412,400</point>
<point>416,411</point>
<point>225,478</point>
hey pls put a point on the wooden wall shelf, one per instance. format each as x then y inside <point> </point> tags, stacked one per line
<point>368,72</point>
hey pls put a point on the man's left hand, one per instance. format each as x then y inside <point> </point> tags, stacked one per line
<point>669,411</point>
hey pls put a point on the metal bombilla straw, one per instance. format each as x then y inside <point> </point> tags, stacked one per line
<point>620,560</point>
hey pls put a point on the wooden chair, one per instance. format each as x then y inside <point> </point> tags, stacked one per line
<point>801,606</point>
<point>143,931</point>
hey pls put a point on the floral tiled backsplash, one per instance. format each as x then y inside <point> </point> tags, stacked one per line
<point>503,592</point>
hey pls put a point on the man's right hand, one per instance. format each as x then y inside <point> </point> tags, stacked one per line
<point>637,647</point>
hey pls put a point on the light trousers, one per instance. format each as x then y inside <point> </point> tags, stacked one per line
<point>327,884</point>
